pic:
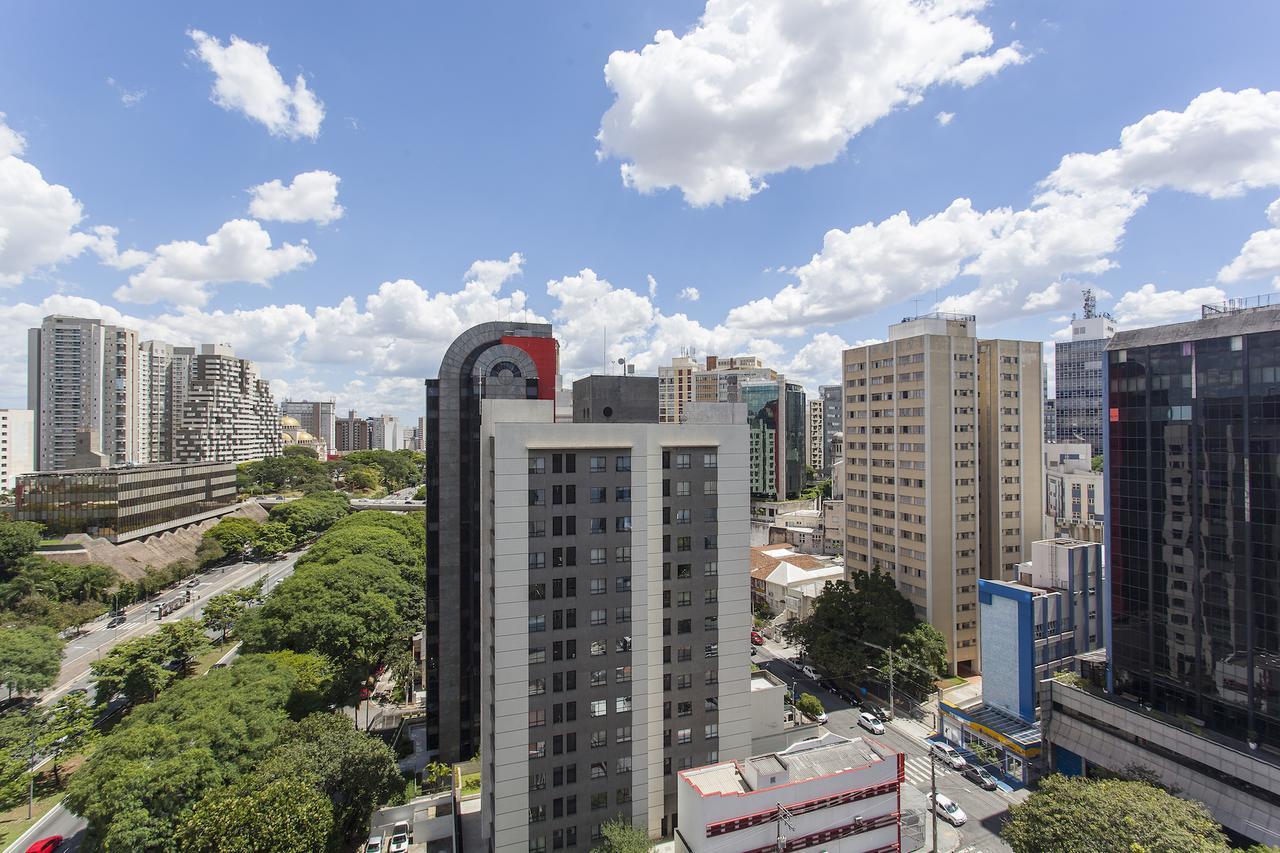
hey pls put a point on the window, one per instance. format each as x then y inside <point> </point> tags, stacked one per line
<point>623,765</point>
<point>709,460</point>
<point>684,598</point>
<point>624,794</point>
<point>599,739</point>
<point>599,556</point>
<point>709,487</point>
<point>600,617</point>
<point>711,596</point>
<point>599,586</point>
<point>709,623</point>
<point>623,463</point>
<point>537,465</point>
<point>537,623</point>
<point>622,524</point>
<point>537,592</point>
<point>599,707</point>
<point>599,494</point>
<point>537,781</point>
<point>537,497</point>
<point>710,569</point>
<point>599,677</point>
<point>710,514</point>
<point>538,845</point>
<point>684,626</point>
<point>622,584</point>
<point>537,528</point>
<point>599,647</point>
<point>599,769</point>
<point>538,654</point>
<point>711,650</point>
<point>622,615</point>
<point>682,516</point>
<point>597,526</point>
<point>710,542</point>
<point>682,460</point>
<point>684,543</point>
<point>599,801</point>
<point>684,654</point>
<point>622,645</point>
<point>621,674</point>
<point>537,748</point>
<point>537,718</point>
<point>684,736</point>
<point>622,704</point>
<point>622,554</point>
<point>682,489</point>
<point>537,559</point>
<point>622,494</point>
<point>599,464</point>
<point>537,686</point>
<point>684,709</point>
<point>684,682</point>
<point>684,570</point>
<point>622,734</point>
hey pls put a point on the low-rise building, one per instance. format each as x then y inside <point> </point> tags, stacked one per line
<point>834,793</point>
<point>126,502</point>
<point>784,582</point>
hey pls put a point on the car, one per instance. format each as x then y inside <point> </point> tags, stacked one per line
<point>871,723</point>
<point>980,777</point>
<point>218,666</point>
<point>46,845</point>
<point>757,639</point>
<point>192,584</point>
<point>882,714</point>
<point>809,672</point>
<point>829,685</point>
<point>399,838</point>
<point>947,754</point>
<point>948,810</point>
<point>116,622</point>
<point>374,844</point>
<point>822,717</point>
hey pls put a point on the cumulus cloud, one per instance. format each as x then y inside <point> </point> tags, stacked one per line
<point>239,251</point>
<point>690,294</point>
<point>944,118</point>
<point>1260,255</point>
<point>1221,145</point>
<point>758,87</point>
<point>312,197</point>
<point>1150,306</point>
<point>247,82</point>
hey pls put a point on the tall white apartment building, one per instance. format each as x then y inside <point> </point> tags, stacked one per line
<point>82,374</point>
<point>814,437</point>
<point>384,433</point>
<point>164,377</point>
<point>229,414</point>
<point>676,388</point>
<point>17,445</point>
<point>614,601</point>
<point>930,414</point>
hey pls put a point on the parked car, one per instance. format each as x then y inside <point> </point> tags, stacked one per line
<point>46,845</point>
<point>374,844</point>
<point>980,777</point>
<point>948,810</point>
<point>871,723</point>
<point>399,838</point>
<point>757,639</point>
<point>809,672</point>
<point>947,754</point>
<point>116,622</point>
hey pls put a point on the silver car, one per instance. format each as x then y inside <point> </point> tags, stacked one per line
<point>870,723</point>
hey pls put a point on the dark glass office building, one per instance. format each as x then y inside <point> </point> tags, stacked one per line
<point>1193,533</point>
<point>776,413</point>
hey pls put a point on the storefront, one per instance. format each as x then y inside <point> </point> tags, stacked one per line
<point>1004,743</point>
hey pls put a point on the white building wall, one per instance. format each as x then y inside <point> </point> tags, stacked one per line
<point>17,446</point>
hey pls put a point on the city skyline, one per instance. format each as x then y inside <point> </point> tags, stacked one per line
<point>1001,182</point>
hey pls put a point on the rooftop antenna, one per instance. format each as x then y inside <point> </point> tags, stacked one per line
<point>1090,304</point>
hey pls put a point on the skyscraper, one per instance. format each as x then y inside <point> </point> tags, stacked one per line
<point>814,437</point>
<point>510,361</point>
<point>675,388</point>
<point>164,379</point>
<point>351,433</point>
<point>384,433</point>
<point>776,413</point>
<point>17,445</point>
<point>832,426</point>
<point>918,408</point>
<point>82,374</point>
<point>229,414</point>
<point>1078,387</point>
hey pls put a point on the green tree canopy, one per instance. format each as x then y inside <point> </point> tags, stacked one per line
<point>314,513</point>
<point>1069,814</point>
<point>316,677</point>
<point>809,705</point>
<point>17,540</point>
<point>397,469</point>
<point>66,729</point>
<point>30,658</point>
<point>140,668</point>
<point>210,552</point>
<point>921,648</point>
<point>273,539</point>
<point>282,816</point>
<point>363,478</point>
<point>621,837</point>
<point>234,533</point>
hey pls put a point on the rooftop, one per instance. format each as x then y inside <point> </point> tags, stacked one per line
<point>1236,317</point>
<point>806,760</point>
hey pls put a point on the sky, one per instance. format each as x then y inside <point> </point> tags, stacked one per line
<point>338,190</point>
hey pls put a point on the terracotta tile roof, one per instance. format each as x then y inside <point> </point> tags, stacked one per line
<point>762,565</point>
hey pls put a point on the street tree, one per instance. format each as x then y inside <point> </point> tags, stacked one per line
<point>919,658</point>
<point>234,533</point>
<point>1067,814</point>
<point>17,540</point>
<point>135,669</point>
<point>282,816</point>
<point>66,730</point>
<point>183,641</point>
<point>272,540</point>
<point>30,658</point>
<point>221,612</point>
<point>621,837</point>
<point>809,705</point>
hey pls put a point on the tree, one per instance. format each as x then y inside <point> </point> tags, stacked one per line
<point>404,669</point>
<point>221,612</point>
<point>210,552</point>
<point>283,816</point>
<point>314,513</point>
<point>66,730</point>
<point>17,732</point>
<point>183,641</point>
<point>134,669</point>
<point>364,477</point>
<point>921,648</point>
<point>621,837</point>
<point>273,538</point>
<point>1070,813</point>
<point>809,705</point>
<point>354,771</point>
<point>316,677</point>
<point>234,533</point>
<point>30,658</point>
<point>1096,464</point>
<point>17,540</point>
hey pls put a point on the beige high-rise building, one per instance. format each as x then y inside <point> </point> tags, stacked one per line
<point>719,380</point>
<point>675,388</point>
<point>164,378</point>
<point>813,432</point>
<point>915,421</point>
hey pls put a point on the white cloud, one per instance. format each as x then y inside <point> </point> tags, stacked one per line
<point>758,87</point>
<point>312,197</point>
<point>653,287</point>
<point>240,250</point>
<point>128,97</point>
<point>944,118</point>
<point>247,81</point>
<point>1260,255</point>
<point>1148,306</point>
<point>818,362</point>
<point>1221,145</point>
<point>690,294</point>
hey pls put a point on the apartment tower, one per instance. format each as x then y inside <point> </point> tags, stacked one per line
<point>1078,390</point>
<point>814,437</point>
<point>315,417</point>
<point>832,426</point>
<point>17,446</point>
<point>229,414</point>
<point>676,388</point>
<point>915,412</point>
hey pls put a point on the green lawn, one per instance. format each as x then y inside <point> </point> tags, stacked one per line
<point>209,658</point>
<point>948,683</point>
<point>470,784</point>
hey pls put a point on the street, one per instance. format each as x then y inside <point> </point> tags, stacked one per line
<point>986,810</point>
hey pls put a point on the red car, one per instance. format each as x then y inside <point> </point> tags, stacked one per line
<point>757,639</point>
<point>46,845</point>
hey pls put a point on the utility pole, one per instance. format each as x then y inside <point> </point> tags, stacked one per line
<point>892,707</point>
<point>785,816</point>
<point>933,798</point>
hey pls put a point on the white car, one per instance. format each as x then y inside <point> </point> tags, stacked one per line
<point>399,838</point>
<point>374,844</point>
<point>809,672</point>
<point>870,723</point>
<point>948,810</point>
<point>947,755</point>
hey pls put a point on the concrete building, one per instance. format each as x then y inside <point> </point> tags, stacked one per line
<point>720,379</point>
<point>82,374</point>
<point>17,445</point>
<point>1073,496</point>
<point>676,388</point>
<point>614,611</point>
<point>504,360</point>
<point>776,412</point>
<point>839,794</point>
<point>1191,686</point>
<point>1078,388</point>
<point>164,379</point>
<point>125,503</point>
<point>384,433</point>
<point>815,438</point>
<point>351,433</point>
<point>1050,421</point>
<point>229,414</point>
<point>616,399</point>
<point>316,417</point>
<point>784,582</point>
<point>832,397</point>
<point>937,486</point>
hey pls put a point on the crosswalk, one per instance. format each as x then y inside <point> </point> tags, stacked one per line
<point>918,770</point>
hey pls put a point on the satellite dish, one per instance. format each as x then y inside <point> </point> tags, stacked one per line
<point>622,361</point>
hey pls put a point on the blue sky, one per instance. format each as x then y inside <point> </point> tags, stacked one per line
<point>462,142</point>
